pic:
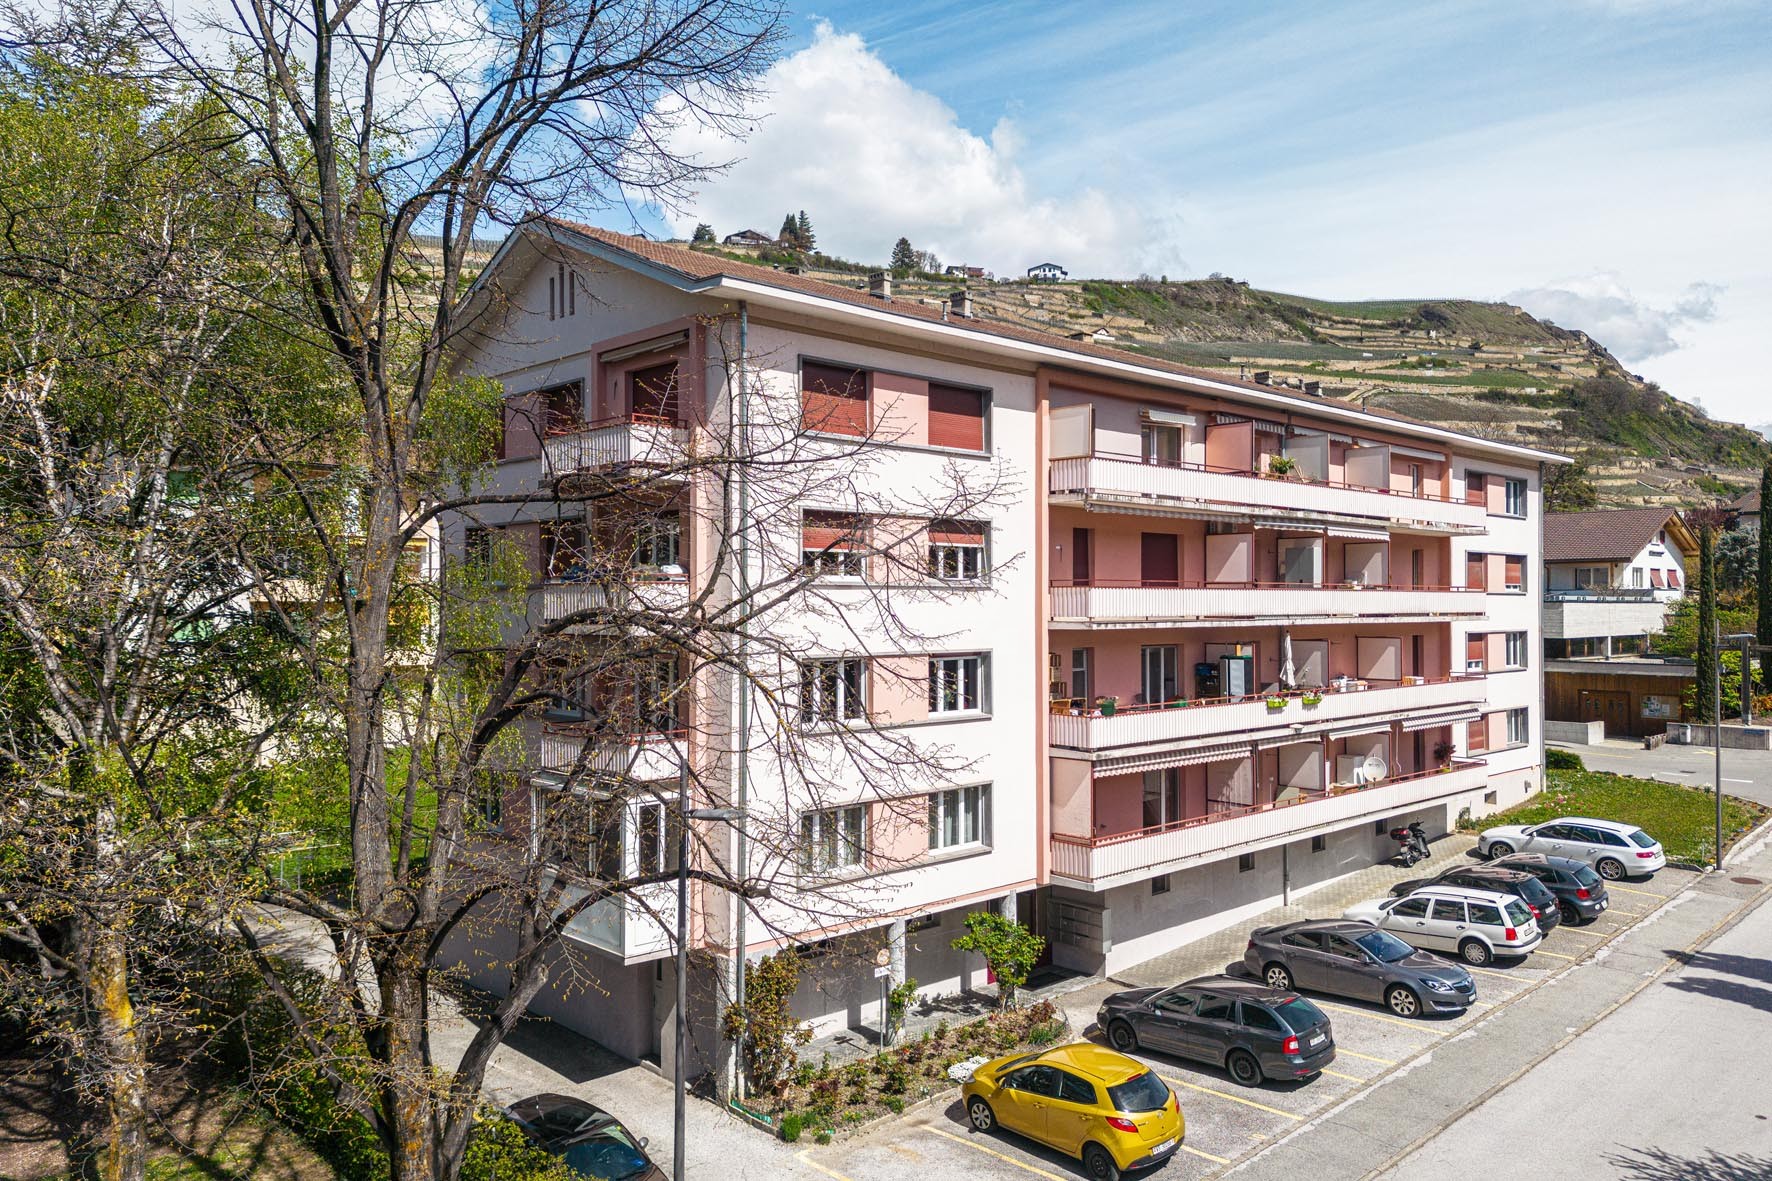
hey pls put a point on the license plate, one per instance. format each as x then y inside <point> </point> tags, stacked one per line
<point>1317,1040</point>
<point>1165,1146</point>
<point>1603,904</point>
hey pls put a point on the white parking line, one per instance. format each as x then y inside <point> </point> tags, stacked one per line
<point>993,1152</point>
<point>1227,1095</point>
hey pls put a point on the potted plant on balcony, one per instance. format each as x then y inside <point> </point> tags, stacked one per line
<point>1443,752</point>
<point>1281,467</point>
<point>1312,697</point>
<point>1106,706</point>
<point>1275,704</point>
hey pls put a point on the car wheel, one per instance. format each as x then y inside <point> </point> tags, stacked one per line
<point>1499,849</point>
<point>1610,869</point>
<point>1403,1002</point>
<point>1475,951</point>
<point>1570,914</point>
<point>1245,1070</point>
<point>1277,976</point>
<point>1098,1162</point>
<point>982,1117</point>
<point>1122,1037</point>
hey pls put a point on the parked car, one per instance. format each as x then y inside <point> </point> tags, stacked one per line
<point>1502,880</point>
<point>1110,1111</point>
<point>1580,893</point>
<point>1352,960</point>
<point>1614,850</point>
<point>592,1142</point>
<point>1253,1030</point>
<point>1477,924</point>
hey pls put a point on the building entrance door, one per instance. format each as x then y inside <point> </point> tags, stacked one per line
<point>1609,706</point>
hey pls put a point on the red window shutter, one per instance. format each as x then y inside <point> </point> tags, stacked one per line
<point>1476,571</point>
<point>956,417</point>
<point>522,427</point>
<point>1516,572</point>
<point>956,532</point>
<point>1477,735</point>
<point>833,400</point>
<point>1655,578</point>
<point>652,393</point>
<point>1474,647</point>
<point>1673,578</point>
<point>837,531</point>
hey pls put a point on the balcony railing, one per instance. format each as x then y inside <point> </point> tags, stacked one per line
<point>1105,601</point>
<point>1103,861</point>
<point>1129,477</point>
<point>1609,594</point>
<point>1175,721</point>
<point>640,591</point>
<point>646,757</point>
<point>633,439</point>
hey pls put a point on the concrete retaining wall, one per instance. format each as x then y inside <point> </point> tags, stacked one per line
<point>1575,733</point>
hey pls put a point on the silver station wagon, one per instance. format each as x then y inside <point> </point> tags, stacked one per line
<point>1475,925</point>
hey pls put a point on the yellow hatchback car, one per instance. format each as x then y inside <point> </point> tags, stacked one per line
<point>1083,1099</point>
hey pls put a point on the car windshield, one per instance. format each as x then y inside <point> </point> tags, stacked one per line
<point>1145,1092</point>
<point>1584,876</point>
<point>606,1159</point>
<point>1517,914</point>
<point>1299,1014</point>
<point>1640,839</point>
<point>1385,946</point>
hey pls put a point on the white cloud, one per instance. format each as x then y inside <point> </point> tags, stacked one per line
<point>1603,307</point>
<point>870,157</point>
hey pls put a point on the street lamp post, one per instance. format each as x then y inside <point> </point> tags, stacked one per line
<point>684,815</point>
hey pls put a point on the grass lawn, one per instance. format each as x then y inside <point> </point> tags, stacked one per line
<point>1682,818</point>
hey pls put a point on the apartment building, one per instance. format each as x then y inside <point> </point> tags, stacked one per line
<point>1128,651</point>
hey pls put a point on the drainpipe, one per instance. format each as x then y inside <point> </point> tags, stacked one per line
<point>741,425</point>
<point>1540,581</point>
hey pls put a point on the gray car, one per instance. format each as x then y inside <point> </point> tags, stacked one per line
<point>1354,960</point>
<point>1251,1030</point>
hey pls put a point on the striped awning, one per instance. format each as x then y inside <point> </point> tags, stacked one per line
<point>1444,717</point>
<point>1273,741</point>
<point>1358,731</point>
<point>1161,760</point>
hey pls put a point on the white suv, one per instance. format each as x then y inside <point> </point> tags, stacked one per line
<point>1614,850</point>
<point>1478,925</point>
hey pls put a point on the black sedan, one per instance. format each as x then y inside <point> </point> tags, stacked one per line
<point>1524,886</point>
<point>592,1142</point>
<point>1580,892</point>
<point>1356,960</point>
<point>1253,1031</point>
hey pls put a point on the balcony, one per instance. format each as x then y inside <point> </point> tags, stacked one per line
<point>1149,724</point>
<point>626,926</point>
<point>1100,863</point>
<point>634,440</point>
<point>1133,604</point>
<point>642,592</point>
<point>1120,481</point>
<point>647,757</point>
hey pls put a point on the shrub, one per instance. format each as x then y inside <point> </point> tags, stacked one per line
<point>1009,949</point>
<point>894,1104</point>
<point>823,1137</point>
<point>895,1079</point>
<point>763,1027</point>
<point>1045,1033</point>
<point>790,1126</point>
<point>1562,760</point>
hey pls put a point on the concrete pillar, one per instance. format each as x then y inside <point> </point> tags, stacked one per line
<point>1009,907</point>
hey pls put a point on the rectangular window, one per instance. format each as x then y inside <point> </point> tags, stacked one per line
<point>563,409</point>
<point>959,817</point>
<point>1162,797</point>
<point>1245,862</point>
<point>1518,727</point>
<point>658,543</point>
<point>1515,578</point>
<point>1082,680</point>
<point>1476,571</point>
<point>655,838</point>
<point>657,694</point>
<point>1160,884</point>
<point>957,417</point>
<point>1160,443</point>
<point>1514,498</point>
<point>1476,488</point>
<point>1656,579</point>
<point>652,394</point>
<point>1159,664</point>
<point>1592,577</point>
<point>833,399</point>
<point>1319,844</point>
<point>833,544</point>
<point>563,550</point>
<point>477,548</point>
<point>1476,647</point>
<point>832,690</point>
<point>956,683</point>
<point>1516,649</point>
<point>1636,577</point>
<point>832,838</point>
<point>956,551</point>
<point>1476,735</point>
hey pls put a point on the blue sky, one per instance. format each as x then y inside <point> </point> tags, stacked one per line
<point>1603,162</point>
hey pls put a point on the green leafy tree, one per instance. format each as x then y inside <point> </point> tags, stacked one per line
<point>803,234</point>
<point>1009,949</point>
<point>789,234</point>
<point>1569,489</point>
<point>1763,575</point>
<point>704,234</point>
<point>904,257</point>
<point>1738,561</point>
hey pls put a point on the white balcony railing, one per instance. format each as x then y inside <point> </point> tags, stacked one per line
<point>645,757</point>
<point>1117,477</point>
<point>1169,723</point>
<point>1103,602</point>
<point>640,593</point>
<point>630,441</point>
<point>1105,861</point>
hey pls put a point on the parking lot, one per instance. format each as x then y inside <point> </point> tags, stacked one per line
<point>1225,1121</point>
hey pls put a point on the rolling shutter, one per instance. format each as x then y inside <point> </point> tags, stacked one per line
<point>956,417</point>
<point>833,399</point>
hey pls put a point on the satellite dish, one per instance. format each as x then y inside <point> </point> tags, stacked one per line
<point>1374,769</point>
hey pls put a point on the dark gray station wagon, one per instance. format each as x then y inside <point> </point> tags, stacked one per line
<point>1253,1031</point>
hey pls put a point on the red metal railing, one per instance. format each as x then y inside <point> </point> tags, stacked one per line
<point>1325,691</point>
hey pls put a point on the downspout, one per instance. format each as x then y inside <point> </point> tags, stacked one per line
<point>1540,582</point>
<point>741,425</point>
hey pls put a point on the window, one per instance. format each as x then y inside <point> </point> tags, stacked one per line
<point>1476,647</point>
<point>1673,578</point>
<point>1476,735</point>
<point>563,409</point>
<point>563,550</point>
<point>1319,844</point>
<point>1656,579</point>
<point>658,542</point>
<point>1035,1080</point>
<point>1476,571</point>
<point>585,834</point>
<point>1159,443</point>
<point>1215,1008</point>
<point>657,693</point>
<point>1486,914</point>
<point>832,839</point>
<point>833,544</point>
<point>959,816</point>
<point>477,548</point>
<point>1257,1017</point>
<point>1516,649</point>
<point>1476,488</point>
<point>1304,940</point>
<point>1514,498</point>
<point>1341,948</point>
<point>1518,727</point>
<point>956,684</point>
<point>833,399</point>
<point>1159,664</point>
<point>1245,862</point>
<point>1410,908</point>
<point>1515,578</point>
<point>1160,884</point>
<point>1593,577</point>
<point>957,417</point>
<point>1082,683</point>
<point>655,838</point>
<point>832,690</point>
<point>956,551</point>
<point>1072,1089</point>
<point>486,806</point>
<point>652,394</point>
<point>562,292</point>
<point>1448,910</point>
<point>1636,577</point>
<point>1162,797</point>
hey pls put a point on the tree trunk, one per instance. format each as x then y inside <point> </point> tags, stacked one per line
<point>409,1097</point>
<point>116,1035</point>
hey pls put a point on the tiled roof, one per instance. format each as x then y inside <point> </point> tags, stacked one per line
<point>698,265</point>
<point>1604,535</point>
<point>1747,502</point>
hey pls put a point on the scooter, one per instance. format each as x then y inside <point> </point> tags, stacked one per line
<point>1413,840</point>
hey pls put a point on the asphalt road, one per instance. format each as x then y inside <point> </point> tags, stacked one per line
<point>1670,1086</point>
<point>1746,773</point>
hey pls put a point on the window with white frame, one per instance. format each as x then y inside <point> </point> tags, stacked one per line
<point>957,561</point>
<point>655,838</point>
<point>1590,577</point>
<point>833,838</point>
<point>959,817</point>
<point>1516,650</point>
<point>956,683</point>
<point>1514,499</point>
<point>833,544</point>
<point>1518,727</point>
<point>1636,577</point>
<point>658,542</point>
<point>833,690</point>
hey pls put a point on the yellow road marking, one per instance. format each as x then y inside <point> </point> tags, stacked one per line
<point>1628,890</point>
<point>1555,955</point>
<point>1337,1074</point>
<point>1217,1159</point>
<point>1227,1095</point>
<point>1415,1025</point>
<point>1631,914</point>
<point>1587,934</point>
<point>805,1157</point>
<point>993,1152</point>
<point>1339,1052</point>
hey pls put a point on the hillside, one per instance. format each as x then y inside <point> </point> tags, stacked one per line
<point>1487,368</point>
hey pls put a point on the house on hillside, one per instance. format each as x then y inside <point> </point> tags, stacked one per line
<point>749,238</point>
<point>1747,511</point>
<point>1047,272</point>
<point>1097,336</point>
<point>963,272</point>
<point>1610,577</point>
